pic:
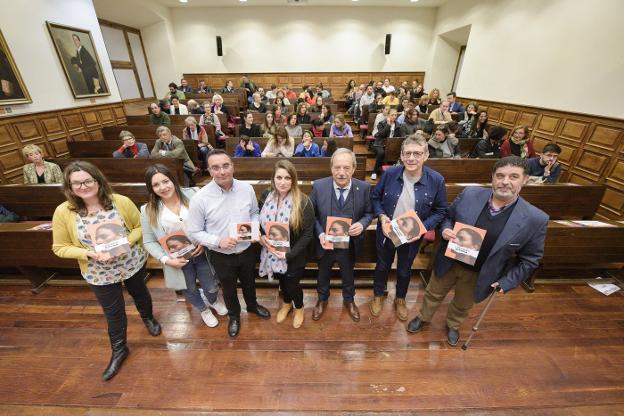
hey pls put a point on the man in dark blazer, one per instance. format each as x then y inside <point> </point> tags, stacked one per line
<point>510,252</point>
<point>86,65</point>
<point>340,196</point>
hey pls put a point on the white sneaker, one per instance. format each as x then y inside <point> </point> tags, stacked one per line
<point>209,318</point>
<point>219,306</point>
<point>374,177</point>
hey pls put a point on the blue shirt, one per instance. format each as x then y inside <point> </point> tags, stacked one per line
<point>312,152</point>
<point>431,203</point>
<point>536,169</point>
<point>240,152</point>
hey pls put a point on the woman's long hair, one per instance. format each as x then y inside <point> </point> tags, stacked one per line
<point>105,192</point>
<point>299,198</point>
<point>153,201</point>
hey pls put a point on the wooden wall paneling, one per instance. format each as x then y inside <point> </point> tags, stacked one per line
<point>605,137</point>
<point>548,124</point>
<point>527,118</point>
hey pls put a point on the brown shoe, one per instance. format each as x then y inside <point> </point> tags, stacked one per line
<point>319,309</point>
<point>354,313</point>
<point>376,305</point>
<point>401,309</point>
<point>298,317</point>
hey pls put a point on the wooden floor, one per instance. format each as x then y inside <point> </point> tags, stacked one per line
<point>557,351</point>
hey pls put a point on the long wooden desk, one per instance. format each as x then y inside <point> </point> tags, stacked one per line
<point>232,142</point>
<point>105,148</point>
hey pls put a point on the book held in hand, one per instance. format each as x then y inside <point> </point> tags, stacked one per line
<point>278,235</point>
<point>245,231</point>
<point>466,246</point>
<point>406,227</point>
<point>109,237</point>
<point>177,245</point>
<point>337,233</point>
<point>40,227</point>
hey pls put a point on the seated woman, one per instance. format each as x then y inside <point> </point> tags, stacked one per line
<point>248,128</point>
<point>319,129</point>
<point>302,114</point>
<point>279,103</point>
<point>269,127</point>
<point>130,148</point>
<point>318,104</point>
<point>349,93</point>
<point>326,115</point>
<point>309,97</point>
<point>434,97</point>
<point>489,146</point>
<point>247,148</point>
<point>518,144</point>
<point>38,170</point>
<point>340,128</point>
<point>279,145</point>
<point>307,147</point>
<point>177,108</point>
<point>193,131</point>
<point>228,88</point>
<point>418,92</point>
<point>282,96</point>
<point>293,128</point>
<point>328,148</point>
<point>391,99</point>
<point>256,105</point>
<point>423,104</point>
<point>412,122</point>
<point>194,107</point>
<point>480,126</point>
<point>162,218</point>
<point>278,116</point>
<point>443,146</point>
<point>386,129</point>
<point>470,115</point>
<point>217,106</point>
<point>157,116</point>
<point>211,119</point>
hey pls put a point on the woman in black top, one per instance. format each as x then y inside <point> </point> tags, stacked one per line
<point>285,245</point>
<point>256,104</point>
<point>302,114</point>
<point>248,128</point>
<point>480,126</point>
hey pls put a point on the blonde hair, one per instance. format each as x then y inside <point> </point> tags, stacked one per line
<point>190,119</point>
<point>217,97</point>
<point>125,133</point>
<point>299,199</point>
<point>31,148</point>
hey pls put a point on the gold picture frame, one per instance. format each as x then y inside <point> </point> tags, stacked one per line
<point>79,59</point>
<point>12,87</point>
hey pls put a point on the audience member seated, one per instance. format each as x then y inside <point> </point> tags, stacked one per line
<point>441,115</point>
<point>38,170</point>
<point>391,99</point>
<point>318,104</point>
<point>203,88</point>
<point>269,127</point>
<point>379,118</point>
<point>217,106</point>
<point>329,147</point>
<point>174,92</point>
<point>319,129</point>
<point>386,129</point>
<point>453,128</point>
<point>377,105</point>
<point>130,149</point>
<point>285,100</point>
<point>194,107</point>
<point>293,128</point>
<point>169,146</point>
<point>248,85</point>
<point>321,91</point>
<point>326,115</point>
<point>349,93</point>
<point>412,122</point>
<point>365,101</point>
<point>256,105</point>
<point>248,128</point>
<point>470,116</point>
<point>307,147</point>
<point>272,93</point>
<point>434,97</point>
<point>378,89</point>
<point>302,114</point>
<point>247,148</point>
<point>489,146</point>
<point>210,119</point>
<point>387,87</point>
<point>403,106</point>
<point>196,132</point>
<point>545,167</point>
<point>279,145</point>
<point>177,108</point>
<point>417,91</point>
<point>157,116</point>
<point>518,144</point>
<point>443,146</point>
<point>480,126</point>
<point>228,88</point>
<point>279,102</point>
<point>423,104</point>
<point>165,106</point>
<point>279,117</point>
<point>340,128</point>
<point>263,98</point>
<point>185,87</point>
<point>455,107</point>
<point>291,96</point>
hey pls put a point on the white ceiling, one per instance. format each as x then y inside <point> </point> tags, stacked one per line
<point>359,3</point>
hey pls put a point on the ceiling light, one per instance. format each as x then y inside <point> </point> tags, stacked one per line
<point>243,1</point>
<point>183,1</point>
<point>413,1</point>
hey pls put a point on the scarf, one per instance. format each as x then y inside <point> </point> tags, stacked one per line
<point>269,264</point>
<point>524,147</point>
<point>131,151</point>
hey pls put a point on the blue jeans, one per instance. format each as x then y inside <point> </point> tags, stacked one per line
<point>203,155</point>
<point>199,268</point>
<point>385,255</point>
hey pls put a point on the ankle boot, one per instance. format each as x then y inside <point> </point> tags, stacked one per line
<point>298,317</point>
<point>283,312</point>
<point>152,325</point>
<point>119,354</point>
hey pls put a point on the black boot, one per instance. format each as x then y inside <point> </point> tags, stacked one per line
<point>152,325</point>
<point>120,352</point>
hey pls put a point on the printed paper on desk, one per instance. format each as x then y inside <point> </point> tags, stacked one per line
<point>109,237</point>
<point>44,226</point>
<point>177,245</point>
<point>278,235</point>
<point>337,232</point>
<point>466,246</point>
<point>406,227</point>
<point>245,231</point>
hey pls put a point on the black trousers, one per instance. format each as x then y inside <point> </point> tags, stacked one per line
<point>380,154</point>
<point>290,285</point>
<point>231,268</point>
<point>112,301</point>
<point>346,263</point>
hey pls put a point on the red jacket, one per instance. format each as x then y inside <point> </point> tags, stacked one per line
<point>505,149</point>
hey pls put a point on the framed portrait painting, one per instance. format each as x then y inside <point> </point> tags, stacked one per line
<point>76,51</point>
<point>12,87</point>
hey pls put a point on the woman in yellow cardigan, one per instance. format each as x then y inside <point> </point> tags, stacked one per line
<point>102,230</point>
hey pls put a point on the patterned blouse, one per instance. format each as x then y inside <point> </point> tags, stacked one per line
<point>120,268</point>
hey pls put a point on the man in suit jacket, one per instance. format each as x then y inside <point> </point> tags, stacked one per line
<point>511,250</point>
<point>340,196</point>
<point>171,147</point>
<point>455,107</point>
<point>87,66</point>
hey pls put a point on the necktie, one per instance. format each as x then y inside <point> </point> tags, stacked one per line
<point>341,200</point>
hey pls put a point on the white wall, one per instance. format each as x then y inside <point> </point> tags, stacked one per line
<point>559,54</point>
<point>23,24</point>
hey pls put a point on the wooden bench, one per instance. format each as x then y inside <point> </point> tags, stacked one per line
<point>308,168</point>
<point>148,132</point>
<point>304,127</point>
<point>393,148</point>
<point>105,148</point>
<point>232,142</point>
<point>463,170</point>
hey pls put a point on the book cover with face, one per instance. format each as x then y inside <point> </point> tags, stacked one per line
<point>406,227</point>
<point>109,237</point>
<point>245,231</point>
<point>466,246</point>
<point>278,235</point>
<point>337,232</point>
<point>177,245</point>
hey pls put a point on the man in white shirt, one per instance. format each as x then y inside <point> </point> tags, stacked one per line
<point>387,87</point>
<point>213,211</point>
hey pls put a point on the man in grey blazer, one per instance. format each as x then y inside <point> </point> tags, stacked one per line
<point>511,250</point>
<point>340,196</point>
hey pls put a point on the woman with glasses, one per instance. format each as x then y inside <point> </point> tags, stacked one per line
<point>91,205</point>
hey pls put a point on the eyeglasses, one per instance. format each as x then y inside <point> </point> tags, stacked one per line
<point>87,184</point>
<point>417,155</point>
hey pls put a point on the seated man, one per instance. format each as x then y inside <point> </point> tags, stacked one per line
<point>203,88</point>
<point>157,116</point>
<point>455,107</point>
<point>546,167</point>
<point>174,92</point>
<point>441,115</point>
<point>130,148</point>
<point>489,146</point>
<point>169,146</point>
<point>185,87</point>
<point>247,148</point>
<point>194,107</point>
<point>307,148</point>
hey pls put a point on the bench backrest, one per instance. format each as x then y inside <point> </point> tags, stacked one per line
<point>105,148</point>
<point>232,142</point>
<point>128,170</point>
